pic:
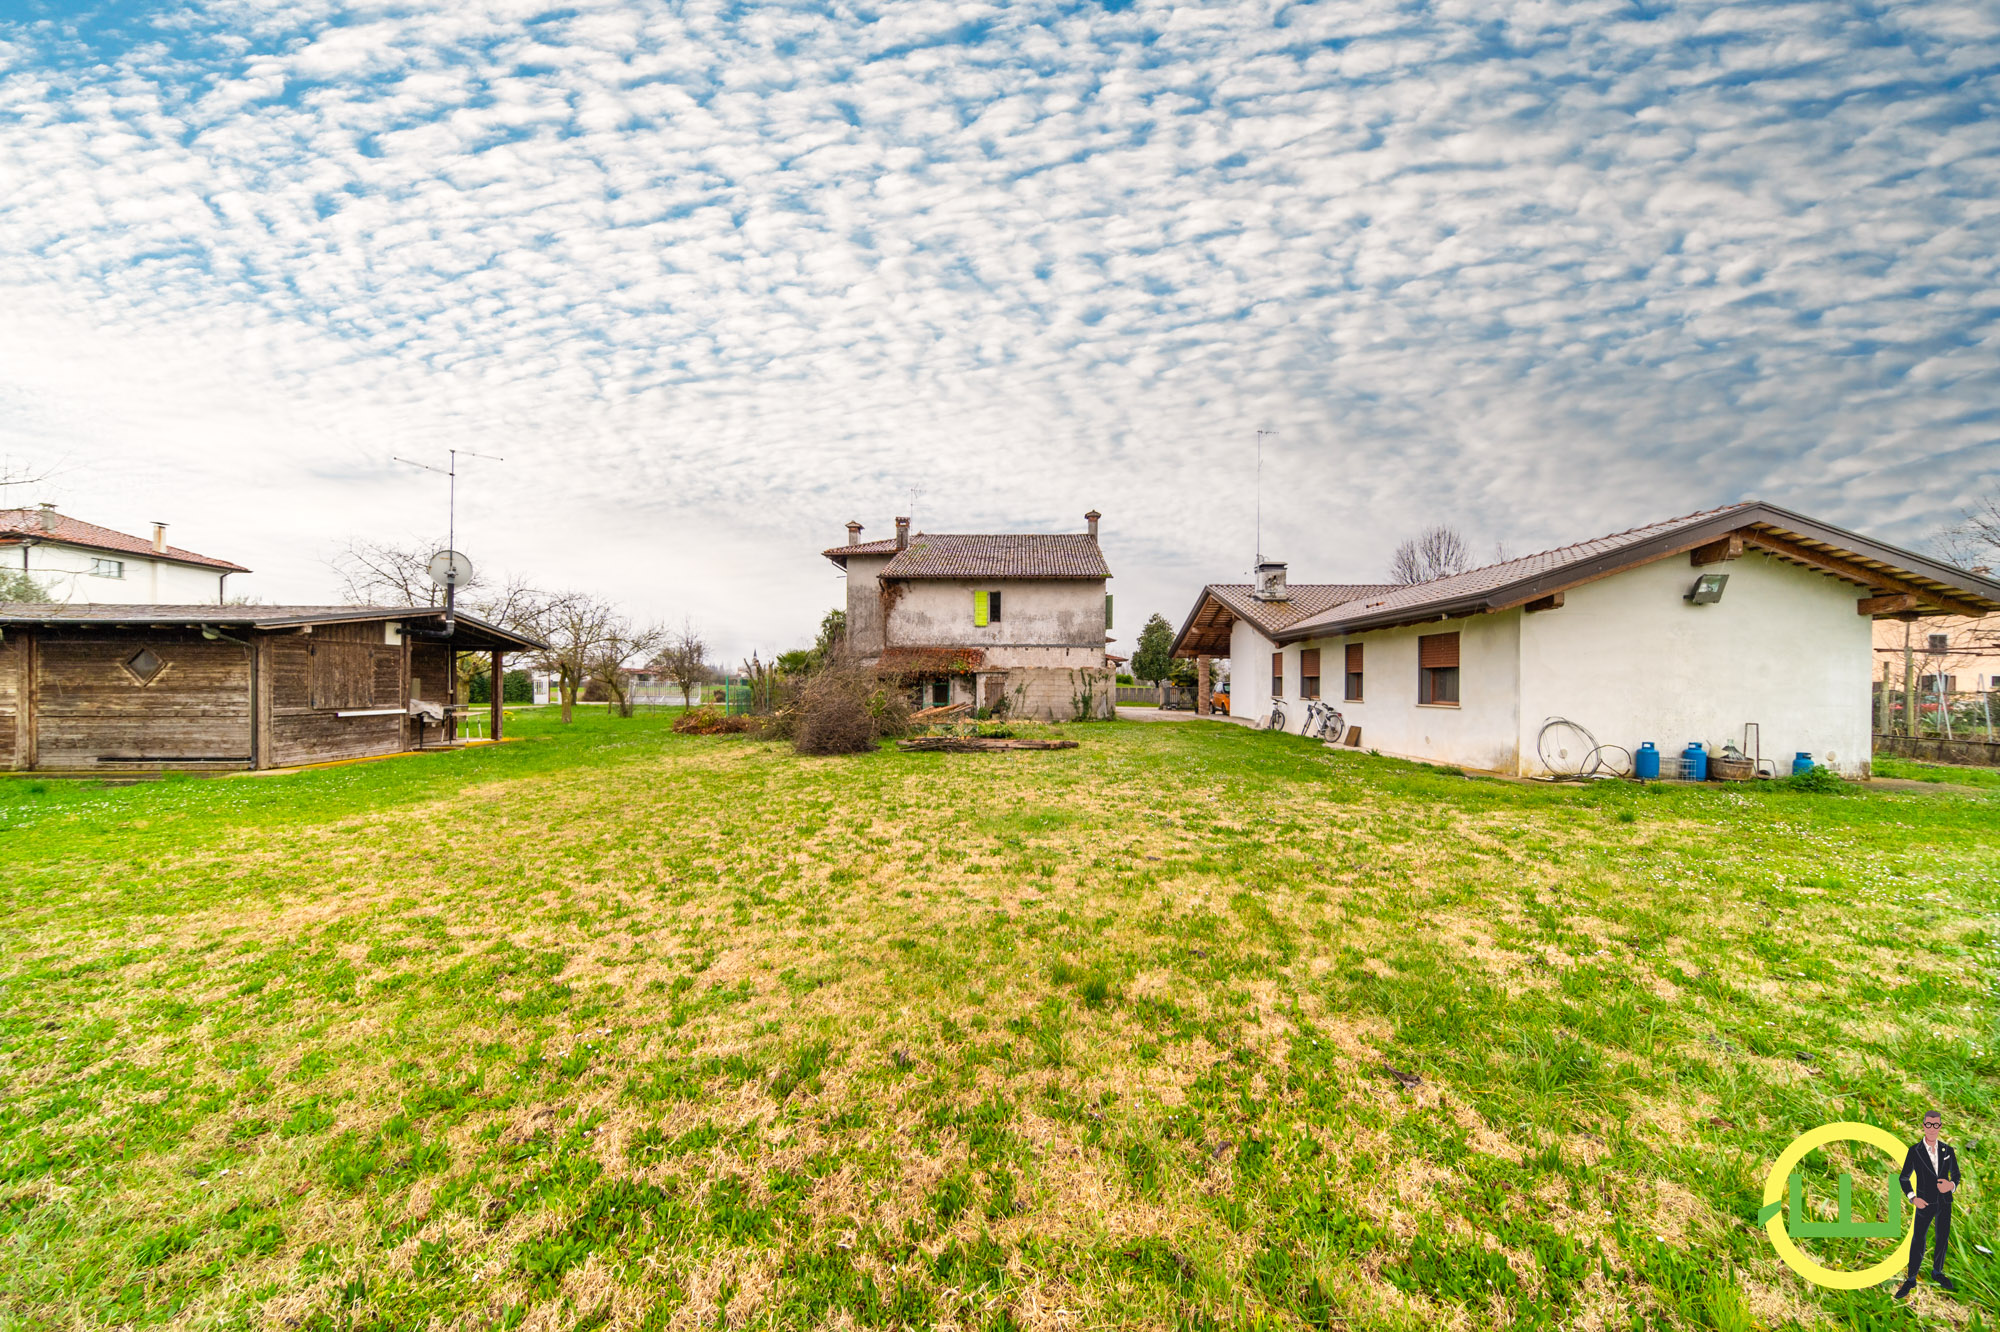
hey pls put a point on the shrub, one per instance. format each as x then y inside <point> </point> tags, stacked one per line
<point>1818,780</point>
<point>713,721</point>
<point>844,710</point>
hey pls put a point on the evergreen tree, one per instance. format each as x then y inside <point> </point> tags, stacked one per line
<point>1154,660</point>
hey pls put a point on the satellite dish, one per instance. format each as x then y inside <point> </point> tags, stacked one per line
<point>448,568</point>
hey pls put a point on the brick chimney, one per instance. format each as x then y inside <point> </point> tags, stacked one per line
<point>48,517</point>
<point>1092,518</point>
<point>853,533</point>
<point>159,538</point>
<point>902,533</point>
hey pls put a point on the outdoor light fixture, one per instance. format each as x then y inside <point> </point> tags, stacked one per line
<point>1708,588</point>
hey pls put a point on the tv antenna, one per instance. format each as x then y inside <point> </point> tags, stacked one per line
<point>916,492</point>
<point>1260,492</point>
<point>448,569</point>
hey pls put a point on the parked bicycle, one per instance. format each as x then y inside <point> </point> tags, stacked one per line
<point>1275,721</point>
<point>1324,721</point>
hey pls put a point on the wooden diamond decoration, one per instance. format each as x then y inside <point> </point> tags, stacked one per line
<point>145,665</point>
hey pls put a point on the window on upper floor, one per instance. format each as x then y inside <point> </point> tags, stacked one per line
<point>107,568</point>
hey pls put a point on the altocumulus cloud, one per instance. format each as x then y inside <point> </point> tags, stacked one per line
<point>715,278</point>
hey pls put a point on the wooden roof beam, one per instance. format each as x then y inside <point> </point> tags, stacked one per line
<point>1885,583</point>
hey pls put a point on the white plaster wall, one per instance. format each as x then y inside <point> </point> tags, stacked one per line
<point>864,604</point>
<point>1481,732</point>
<point>65,572</point>
<point>1632,661</point>
<point>1053,623</point>
<point>1250,671</point>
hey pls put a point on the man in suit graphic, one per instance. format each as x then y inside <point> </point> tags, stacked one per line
<point>1929,1178</point>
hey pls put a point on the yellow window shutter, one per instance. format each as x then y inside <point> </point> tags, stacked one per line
<point>979,608</point>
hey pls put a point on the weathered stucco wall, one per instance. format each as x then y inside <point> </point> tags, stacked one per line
<point>864,604</point>
<point>1052,623</point>
<point>65,571</point>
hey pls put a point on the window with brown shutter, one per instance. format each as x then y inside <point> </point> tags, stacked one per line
<point>1354,672</point>
<point>1437,669</point>
<point>1277,675</point>
<point>1309,673</point>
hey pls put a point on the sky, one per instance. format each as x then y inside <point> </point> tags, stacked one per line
<point>713,279</point>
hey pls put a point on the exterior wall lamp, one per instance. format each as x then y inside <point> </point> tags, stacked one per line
<point>1707,589</point>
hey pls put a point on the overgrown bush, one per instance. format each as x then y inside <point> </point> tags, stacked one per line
<point>713,721</point>
<point>845,709</point>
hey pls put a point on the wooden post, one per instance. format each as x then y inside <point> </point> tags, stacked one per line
<point>499,687</point>
<point>1909,682</point>
<point>1201,703</point>
<point>450,694</point>
<point>24,708</point>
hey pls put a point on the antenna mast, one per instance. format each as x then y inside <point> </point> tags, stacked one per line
<point>1260,492</point>
<point>450,471</point>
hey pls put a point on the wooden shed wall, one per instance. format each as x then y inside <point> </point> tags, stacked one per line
<point>313,677</point>
<point>14,649</point>
<point>89,709</point>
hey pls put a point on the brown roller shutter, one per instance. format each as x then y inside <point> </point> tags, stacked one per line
<point>1353,657</point>
<point>1309,661</point>
<point>1436,651</point>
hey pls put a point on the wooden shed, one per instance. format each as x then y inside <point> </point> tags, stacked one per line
<point>97,688</point>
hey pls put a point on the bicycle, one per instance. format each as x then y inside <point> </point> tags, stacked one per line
<point>1324,721</point>
<point>1276,720</point>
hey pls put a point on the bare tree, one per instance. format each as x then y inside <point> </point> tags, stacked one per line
<point>383,573</point>
<point>683,659</point>
<point>589,638</point>
<point>1974,541</point>
<point>1435,552</point>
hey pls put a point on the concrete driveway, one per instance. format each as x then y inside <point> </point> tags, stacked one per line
<point>1163,715</point>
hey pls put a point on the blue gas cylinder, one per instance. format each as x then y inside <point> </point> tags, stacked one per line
<point>1695,759</point>
<point>1801,762</point>
<point>1646,763</point>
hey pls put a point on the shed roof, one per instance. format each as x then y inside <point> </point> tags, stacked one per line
<point>472,633</point>
<point>1789,536</point>
<point>18,526</point>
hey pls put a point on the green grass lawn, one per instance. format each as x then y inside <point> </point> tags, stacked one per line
<point>617,1028</point>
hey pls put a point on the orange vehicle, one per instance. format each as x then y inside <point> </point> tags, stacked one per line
<point>1219,700</point>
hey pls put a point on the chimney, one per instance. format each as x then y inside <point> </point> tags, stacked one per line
<point>1271,581</point>
<point>1092,518</point>
<point>48,517</point>
<point>902,533</point>
<point>159,538</point>
<point>853,533</point>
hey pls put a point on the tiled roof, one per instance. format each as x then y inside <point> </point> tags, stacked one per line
<point>1302,600</point>
<point>839,554</point>
<point>1512,582</point>
<point>1417,596</point>
<point>19,524</point>
<point>1024,555</point>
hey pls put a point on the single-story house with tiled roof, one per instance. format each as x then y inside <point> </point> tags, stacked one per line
<point>1692,629</point>
<point>1015,622</point>
<point>210,688</point>
<point>71,560</point>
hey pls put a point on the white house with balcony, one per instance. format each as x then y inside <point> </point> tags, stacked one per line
<point>1013,622</point>
<point>74,562</point>
<point>1747,625</point>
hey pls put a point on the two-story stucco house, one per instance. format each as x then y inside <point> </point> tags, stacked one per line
<point>1013,622</point>
<point>78,562</point>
